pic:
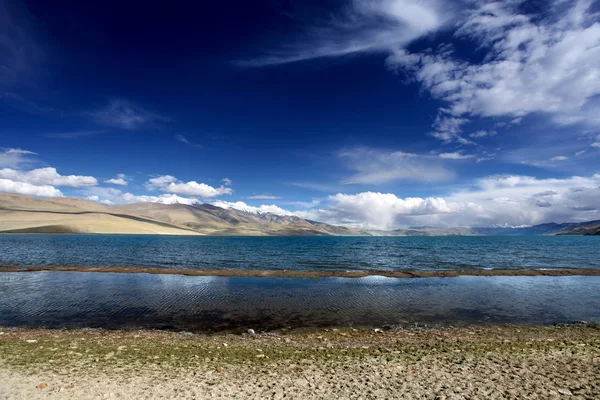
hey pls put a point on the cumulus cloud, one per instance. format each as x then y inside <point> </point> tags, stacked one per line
<point>47,176</point>
<point>511,200</point>
<point>226,181</point>
<point>123,114</point>
<point>159,182</point>
<point>241,206</point>
<point>119,180</point>
<point>376,210</point>
<point>162,199</point>
<point>14,157</point>
<point>10,186</point>
<point>375,166</point>
<point>170,184</point>
<point>543,63</point>
<point>194,188</point>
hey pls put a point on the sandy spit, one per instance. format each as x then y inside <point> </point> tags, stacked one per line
<point>418,363</point>
<point>307,274</point>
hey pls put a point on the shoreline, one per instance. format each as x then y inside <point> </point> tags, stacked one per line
<point>307,273</point>
<point>419,363</point>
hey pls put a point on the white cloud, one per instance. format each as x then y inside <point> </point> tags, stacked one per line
<point>559,158</point>
<point>163,199</point>
<point>376,210</point>
<point>512,200</point>
<point>10,186</point>
<point>263,197</point>
<point>14,157</point>
<point>597,142</point>
<point>364,26</point>
<point>226,181</point>
<point>93,198</point>
<point>123,114</point>
<point>159,182</point>
<point>241,206</point>
<point>483,134</point>
<point>194,188</point>
<point>544,63</point>
<point>119,180</point>
<point>373,166</point>
<point>455,156</point>
<point>47,176</point>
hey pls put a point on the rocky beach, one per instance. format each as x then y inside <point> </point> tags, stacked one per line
<point>419,362</point>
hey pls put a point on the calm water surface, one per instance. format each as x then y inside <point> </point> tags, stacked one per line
<point>304,253</point>
<point>75,299</point>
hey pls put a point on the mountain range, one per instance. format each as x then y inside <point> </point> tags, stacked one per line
<point>23,214</point>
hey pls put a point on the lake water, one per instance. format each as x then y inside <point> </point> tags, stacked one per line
<point>111,300</point>
<point>192,303</point>
<point>302,253</point>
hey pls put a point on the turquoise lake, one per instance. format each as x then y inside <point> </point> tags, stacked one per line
<point>303,253</point>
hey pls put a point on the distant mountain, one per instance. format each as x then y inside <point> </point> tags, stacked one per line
<point>586,228</point>
<point>212,220</point>
<point>23,214</point>
<point>552,228</point>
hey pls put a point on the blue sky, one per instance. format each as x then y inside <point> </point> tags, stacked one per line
<point>384,113</point>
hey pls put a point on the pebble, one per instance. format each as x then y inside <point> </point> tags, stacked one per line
<point>565,392</point>
<point>68,387</point>
<point>377,330</point>
<point>219,369</point>
<point>251,332</point>
<point>42,386</point>
<point>31,341</point>
<point>260,356</point>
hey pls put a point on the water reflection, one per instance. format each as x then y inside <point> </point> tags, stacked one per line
<point>71,299</point>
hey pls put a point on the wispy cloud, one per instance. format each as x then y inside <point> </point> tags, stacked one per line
<point>126,115</point>
<point>73,135</point>
<point>377,166</point>
<point>362,26</point>
<point>20,54</point>
<point>544,63</point>
<point>455,156</point>
<point>263,197</point>
<point>14,158</point>
<point>226,181</point>
<point>185,140</point>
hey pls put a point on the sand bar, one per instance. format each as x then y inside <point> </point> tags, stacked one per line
<point>310,273</point>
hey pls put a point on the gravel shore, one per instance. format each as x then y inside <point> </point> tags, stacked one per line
<point>416,363</point>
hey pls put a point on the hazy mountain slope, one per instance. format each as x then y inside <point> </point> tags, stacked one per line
<point>213,220</point>
<point>586,228</point>
<point>551,228</point>
<point>22,214</point>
